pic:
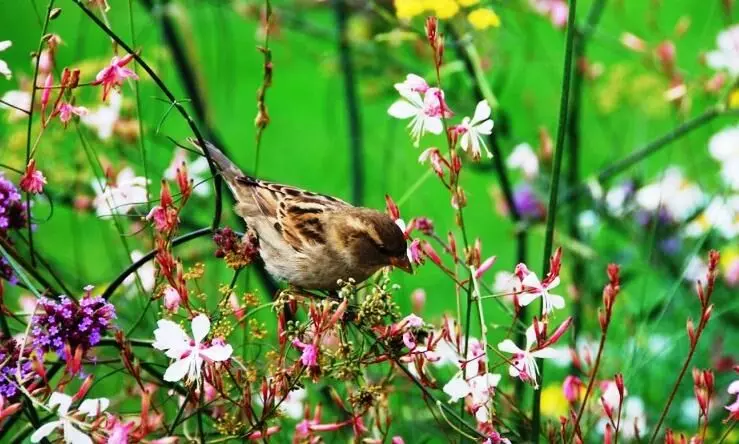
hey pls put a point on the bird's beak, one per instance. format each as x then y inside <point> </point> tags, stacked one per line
<point>403,263</point>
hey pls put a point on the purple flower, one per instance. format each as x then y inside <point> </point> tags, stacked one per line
<point>9,354</point>
<point>13,216</point>
<point>58,324</point>
<point>527,203</point>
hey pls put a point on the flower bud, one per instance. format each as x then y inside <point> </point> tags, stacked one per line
<point>418,300</point>
<point>171,298</point>
<point>429,251</point>
<point>392,208</point>
<point>633,42</point>
<point>485,266</point>
<point>571,388</point>
<point>691,331</point>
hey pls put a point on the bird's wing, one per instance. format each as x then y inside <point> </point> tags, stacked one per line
<point>299,215</point>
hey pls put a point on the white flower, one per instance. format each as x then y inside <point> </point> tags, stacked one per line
<point>724,147</point>
<point>20,100</point>
<point>610,396</point>
<point>474,129</point>
<point>425,113</point>
<point>524,158</point>
<point>534,289</point>
<point>4,69</point>
<point>695,270</point>
<point>524,361</point>
<point>632,414</point>
<point>679,197</point>
<point>146,273</point>
<point>506,283</point>
<point>188,354</point>
<point>616,198</point>
<point>292,406</point>
<point>128,191</point>
<point>104,117</point>
<point>726,57</point>
<point>722,214</point>
<point>72,435</point>
<point>198,170</point>
<point>481,387</point>
<point>412,83</point>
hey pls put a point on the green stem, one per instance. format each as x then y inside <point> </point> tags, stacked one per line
<point>554,189</point>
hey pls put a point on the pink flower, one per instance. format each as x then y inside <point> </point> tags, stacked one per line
<point>65,110</point>
<point>523,362</point>
<point>33,180</point>
<point>415,253</point>
<point>309,356</point>
<point>118,431</point>
<point>171,298</point>
<point>397,440</point>
<point>534,289</point>
<point>113,75</point>
<point>571,388</point>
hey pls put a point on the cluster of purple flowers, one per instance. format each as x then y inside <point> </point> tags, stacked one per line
<point>13,216</point>
<point>66,322</point>
<point>9,354</point>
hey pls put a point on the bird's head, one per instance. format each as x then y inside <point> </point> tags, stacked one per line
<point>375,240</point>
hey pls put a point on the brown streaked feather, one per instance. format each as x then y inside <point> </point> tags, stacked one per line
<point>300,215</point>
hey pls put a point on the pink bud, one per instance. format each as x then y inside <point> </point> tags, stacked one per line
<point>485,266</point>
<point>691,331</point>
<point>418,300</point>
<point>665,52</point>
<point>397,440</point>
<point>171,298</point>
<point>571,388</point>
<point>46,95</point>
<point>619,378</point>
<point>633,42</point>
<point>429,251</point>
<point>392,208</point>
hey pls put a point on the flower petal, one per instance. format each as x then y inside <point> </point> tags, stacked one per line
<point>482,112</point>
<point>74,436</point>
<point>61,400</point>
<point>545,353</point>
<point>531,281</point>
<point>94,407</point>
<point>44,431</point>
<point>170,336</point>
<point>178,369</point>
<point>402,109</point>
<point>530,337</point>
<point>509,346</point>
<point>200,327</point>
<point>434,125</point>
<point>526,298</point>
<point>557,301</point>
<point>218,352</point>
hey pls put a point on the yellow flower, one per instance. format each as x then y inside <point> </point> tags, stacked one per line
<point>467,3</point>
<point>407,9</point>
<point>728,256</point>
<point>483,18</point>
<point>553,401</point>
<point>443,9</point>
<point>734,99</point>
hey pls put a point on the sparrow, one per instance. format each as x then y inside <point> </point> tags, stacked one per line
<point>311,240</point>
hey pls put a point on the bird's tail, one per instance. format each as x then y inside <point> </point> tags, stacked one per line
<point>228,169</point>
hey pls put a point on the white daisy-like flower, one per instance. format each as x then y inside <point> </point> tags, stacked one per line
<point>524,158</point>
<point>103,118</point>
<point>425,112</point>
<point>124,195</point>
<point>726,57</point>
<point>674,193</point>
<point>4,69</point>
<point>15,101</point>
<point>724,147</point>
<point>474,129</point>
<point>189,354</point>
